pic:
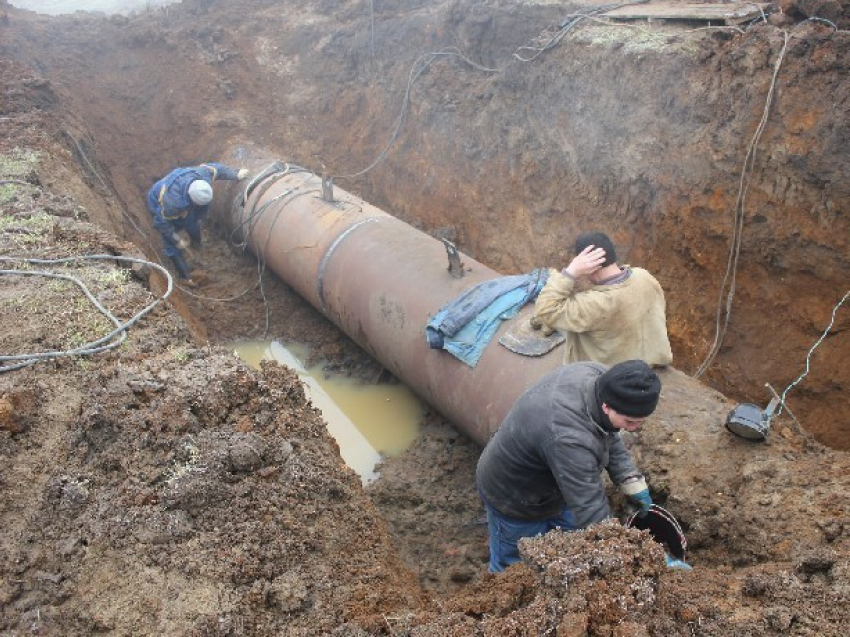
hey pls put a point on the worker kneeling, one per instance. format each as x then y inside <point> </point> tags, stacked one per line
<point>542,469</point>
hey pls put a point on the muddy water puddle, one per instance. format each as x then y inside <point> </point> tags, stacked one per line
<point>368,421</point>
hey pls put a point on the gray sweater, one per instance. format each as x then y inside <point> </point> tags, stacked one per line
<point>550,451</point>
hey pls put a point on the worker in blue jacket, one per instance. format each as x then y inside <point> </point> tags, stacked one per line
<point>181,201</point>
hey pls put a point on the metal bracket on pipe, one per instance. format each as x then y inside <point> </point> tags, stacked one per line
<point>455,264</point>
<point>328,188</point>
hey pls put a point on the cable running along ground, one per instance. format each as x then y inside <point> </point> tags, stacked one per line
<point>99,345</point>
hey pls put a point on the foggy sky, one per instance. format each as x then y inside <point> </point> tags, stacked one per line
<point>56,7</point>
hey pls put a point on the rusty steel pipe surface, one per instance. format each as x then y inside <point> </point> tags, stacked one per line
<point>380,281</point>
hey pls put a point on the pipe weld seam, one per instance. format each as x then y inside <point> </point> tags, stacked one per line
<point>327,257</point>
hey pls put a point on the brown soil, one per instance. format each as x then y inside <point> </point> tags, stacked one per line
<point>163,487</point>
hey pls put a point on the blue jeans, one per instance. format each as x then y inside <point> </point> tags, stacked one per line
<point>506,531</point>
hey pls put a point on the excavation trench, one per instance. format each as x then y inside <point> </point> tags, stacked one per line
<point>338,274</point>
<point>646,134</point>
<point>643,133</point>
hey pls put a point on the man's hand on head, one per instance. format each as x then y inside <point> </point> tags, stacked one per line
<point>586,262</point>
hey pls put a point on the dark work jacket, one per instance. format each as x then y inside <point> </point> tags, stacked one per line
<point>550,451</point>
<point>168,199</point>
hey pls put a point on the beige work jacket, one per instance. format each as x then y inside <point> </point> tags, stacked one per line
<point>608,323</point>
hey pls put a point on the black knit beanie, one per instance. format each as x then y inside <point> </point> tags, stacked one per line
<point>630,388</point>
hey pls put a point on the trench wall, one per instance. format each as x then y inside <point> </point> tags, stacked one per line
<point>701,151</point>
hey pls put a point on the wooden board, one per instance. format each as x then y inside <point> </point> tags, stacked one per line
<point>728,13</point>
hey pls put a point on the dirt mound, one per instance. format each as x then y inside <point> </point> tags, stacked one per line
<point>161,489</point>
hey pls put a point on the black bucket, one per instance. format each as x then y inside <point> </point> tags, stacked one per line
<point>663,528</point>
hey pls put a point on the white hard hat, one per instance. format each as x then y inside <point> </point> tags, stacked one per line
<point>200,192</point>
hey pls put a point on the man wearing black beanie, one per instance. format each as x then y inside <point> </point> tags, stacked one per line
<point>542,469</point>
<point>630,388</point>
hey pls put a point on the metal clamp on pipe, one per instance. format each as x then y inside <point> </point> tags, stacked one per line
<point>328,188</point>
<point>455,264</point>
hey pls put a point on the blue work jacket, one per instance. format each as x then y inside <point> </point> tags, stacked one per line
<point>168,199</point>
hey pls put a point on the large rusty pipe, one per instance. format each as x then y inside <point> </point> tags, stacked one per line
<point>380,281</point>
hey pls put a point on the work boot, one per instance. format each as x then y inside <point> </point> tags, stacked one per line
<point>183,269</point>
<point>195,243</point>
